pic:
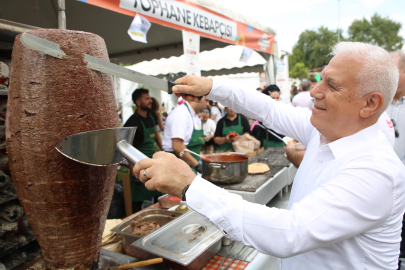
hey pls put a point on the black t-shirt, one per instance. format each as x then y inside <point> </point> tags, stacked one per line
<point>260,134</point>
<point>235,122</point>
<point>133,121</point>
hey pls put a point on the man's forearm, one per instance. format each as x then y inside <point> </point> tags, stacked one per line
<point>295,156</point>
<point>187,157</point>
<point>159,142</point>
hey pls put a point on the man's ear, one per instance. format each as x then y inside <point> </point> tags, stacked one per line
<point>372,103</point>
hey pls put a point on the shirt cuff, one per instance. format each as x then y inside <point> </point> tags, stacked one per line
<point>219,92</point>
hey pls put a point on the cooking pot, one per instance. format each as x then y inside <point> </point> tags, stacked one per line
<point>225,168</point>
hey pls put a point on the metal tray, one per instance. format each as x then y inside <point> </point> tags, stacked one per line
<point>182,240</point>
<point>161,216</point>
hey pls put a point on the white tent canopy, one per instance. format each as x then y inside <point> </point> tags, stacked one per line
<point>220,59</point>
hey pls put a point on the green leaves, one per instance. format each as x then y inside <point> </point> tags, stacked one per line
<point>379,30</point>
<point>313,46</point>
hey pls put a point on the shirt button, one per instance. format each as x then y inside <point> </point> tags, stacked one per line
<point>199,206</point>
<point>319,161</point>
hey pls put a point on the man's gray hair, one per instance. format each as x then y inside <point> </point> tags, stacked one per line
<point>205,111</point>
<point>379,72</point>
<point>306,85</point>
<point>401,58</point>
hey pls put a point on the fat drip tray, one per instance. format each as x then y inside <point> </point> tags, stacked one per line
<point>274,158</point>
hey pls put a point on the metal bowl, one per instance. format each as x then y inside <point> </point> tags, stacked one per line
<point>226,168</point>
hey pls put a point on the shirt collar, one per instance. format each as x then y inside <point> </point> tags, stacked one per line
<point>349,144</point>
<point>400,101</point>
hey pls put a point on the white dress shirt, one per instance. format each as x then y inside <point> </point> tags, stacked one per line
<point>303,100</point>
<point>180,124</point>
<point>346,204</point>
<point>385,125</point>
<point>209,127</point>
<point>397,113</point>
<point>217,112</point>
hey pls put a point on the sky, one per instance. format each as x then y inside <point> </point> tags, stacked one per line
<point>292,17</point>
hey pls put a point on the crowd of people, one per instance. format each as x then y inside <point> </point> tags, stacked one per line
<point>340,118</point>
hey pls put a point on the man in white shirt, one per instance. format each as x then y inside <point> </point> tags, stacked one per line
<point>183,130</point>
<point>209,130</point>
<point>216,114</point>
<point>304,98</point>
<point>347,201</point>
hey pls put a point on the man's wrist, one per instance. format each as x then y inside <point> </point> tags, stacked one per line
<point>289,148</point>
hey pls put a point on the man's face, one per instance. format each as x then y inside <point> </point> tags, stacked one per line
<point>230,112</point>
<point>275,95</point>
<point>145,102</point>
<point>205,117</point>
<point>401,82</point>
<point>336,109</point>
<point>201,105</point>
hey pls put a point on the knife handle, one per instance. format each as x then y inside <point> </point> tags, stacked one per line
<point>170,91</point>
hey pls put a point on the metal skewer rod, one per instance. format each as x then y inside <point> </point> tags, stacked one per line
<point>272,133</point>
<point>61,14</point>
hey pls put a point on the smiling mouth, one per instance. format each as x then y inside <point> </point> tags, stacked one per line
<point>319,108</point>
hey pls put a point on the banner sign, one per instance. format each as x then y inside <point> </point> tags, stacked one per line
<point>188,16</point>
<point>139,28</point>
<point>191,45</point>
<point>183,15</point>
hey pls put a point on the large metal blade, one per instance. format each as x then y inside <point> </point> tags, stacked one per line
<point>53,49</point>
<point>97,147</point>
<point>125,73</point>
<point>42,45</point>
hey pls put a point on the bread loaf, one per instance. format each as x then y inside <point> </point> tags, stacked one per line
<point>66,202</point>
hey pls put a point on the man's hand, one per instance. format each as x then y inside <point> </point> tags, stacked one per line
<point>230,139</point>
<point>165,173</point>
<point>289,144</point>
<point>193,85</point>
<point>207,138</point>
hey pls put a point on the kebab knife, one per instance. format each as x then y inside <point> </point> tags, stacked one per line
<point>53,49</point>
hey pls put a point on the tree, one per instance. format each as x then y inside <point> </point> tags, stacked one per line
<point>379,30</point>
<point>313,47</point>
<point>299,71</point>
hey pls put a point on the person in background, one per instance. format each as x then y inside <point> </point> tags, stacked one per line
<point>396,111</point>
<point>209,130</point>
<point>162,108</point>
<point>156,109</point>
<point>293,92</point>
<point>259,89</point>
<point>304,99</point>
<point>145,119</point>
<point>384,125</point>
<point>269,140</point>
<point>215,112</point>
<point>313,82</point>
<point>183,130</point>
<point>232,123</point>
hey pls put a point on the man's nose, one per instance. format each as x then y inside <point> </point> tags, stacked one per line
<point>317,92</point>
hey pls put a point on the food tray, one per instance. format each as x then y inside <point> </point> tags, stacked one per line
<point>162,217</point>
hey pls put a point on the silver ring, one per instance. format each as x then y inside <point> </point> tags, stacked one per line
<point>144,173</point>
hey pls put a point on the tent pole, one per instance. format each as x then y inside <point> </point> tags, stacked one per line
<point>61,14</point>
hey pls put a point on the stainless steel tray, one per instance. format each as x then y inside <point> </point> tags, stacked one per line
<point>161,216</point>
<point>181,240</point>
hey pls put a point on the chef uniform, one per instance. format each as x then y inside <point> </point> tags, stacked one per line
<point>184,123</point>
<point>139,192</point>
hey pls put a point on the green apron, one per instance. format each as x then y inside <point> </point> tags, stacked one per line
<point>228,130</point>
<point>267,143</point>
<point>197,139</point>
<point>138,190</point>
